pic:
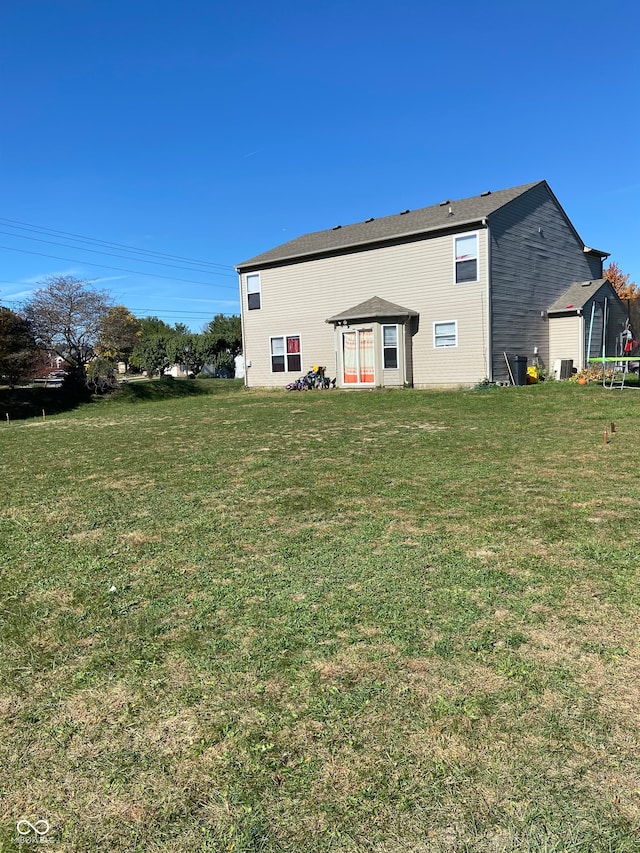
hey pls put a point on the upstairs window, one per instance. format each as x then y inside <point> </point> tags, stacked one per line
<point>466,251</point>
<point>285,354</point>
<point>390,347</point>
<point>253,291</point>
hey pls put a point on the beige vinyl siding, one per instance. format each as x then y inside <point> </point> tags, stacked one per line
<point>297,298</point>
<point>392,378</point>
<point>566,340</point>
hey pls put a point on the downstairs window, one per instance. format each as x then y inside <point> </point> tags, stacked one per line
<point>285,354</point>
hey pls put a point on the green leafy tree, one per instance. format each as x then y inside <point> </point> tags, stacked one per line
<point>225,333</point>
<point>119,333</point>
<point>155,326</point>
<point>222,360</point>
<point>19,351</point>
<point>101,377</point>
<point>66,316</point>
<point>151,350</point>
<point>151,354</point>
<point>189,350</point>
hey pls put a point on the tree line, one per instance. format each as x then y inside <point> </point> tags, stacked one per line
<point>69,320</point>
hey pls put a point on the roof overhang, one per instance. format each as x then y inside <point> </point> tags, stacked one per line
<point>580,294</point>
<point>588,250</point>
<point>356,246</point>
<point>372,309</point>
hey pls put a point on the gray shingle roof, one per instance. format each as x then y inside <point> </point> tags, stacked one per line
<point>372,309</point>
<point>446,214</point>
<point>577,296</point>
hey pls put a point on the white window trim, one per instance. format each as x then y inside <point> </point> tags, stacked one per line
<point>475,234</point>
<point>435,337</point>
<point>396,346</point>
<point>286,363</point>
<point>258,291</point>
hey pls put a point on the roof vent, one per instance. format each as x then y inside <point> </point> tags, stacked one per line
<point>369,220</point>
<point>445,203</point>
<point>486,192</point>
<point>335,227</point>
<point>402,212</point>
<point>450,212</point>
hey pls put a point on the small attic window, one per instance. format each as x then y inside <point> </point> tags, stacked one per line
<point>369,220</point>
<point>486,192</point>
<point>402,212</point>
<point>335,227</point>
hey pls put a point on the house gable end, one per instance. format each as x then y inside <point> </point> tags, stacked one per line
<point>535,254</point>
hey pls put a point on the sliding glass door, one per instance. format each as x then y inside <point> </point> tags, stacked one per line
<point>358,357</point>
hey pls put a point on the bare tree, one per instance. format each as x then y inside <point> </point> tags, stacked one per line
<point>66,316</point>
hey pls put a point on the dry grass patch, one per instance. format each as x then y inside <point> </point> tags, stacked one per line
<point>97,708</point>
<point>139,538</point>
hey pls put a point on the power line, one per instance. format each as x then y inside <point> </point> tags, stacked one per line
<point>23,226</point>
<point>142,313</point>
<point>182,313</point>
<point>113,254</point>
<point>126,295</point>
<point>122,269</point>
<point>148,311</point>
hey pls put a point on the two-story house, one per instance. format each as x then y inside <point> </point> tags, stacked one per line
<point>436,296</point>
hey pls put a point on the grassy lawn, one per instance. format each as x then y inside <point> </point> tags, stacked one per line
<point>401,621</point>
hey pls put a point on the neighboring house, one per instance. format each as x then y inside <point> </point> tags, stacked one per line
<point>178,371</point>
<point>435,296</point>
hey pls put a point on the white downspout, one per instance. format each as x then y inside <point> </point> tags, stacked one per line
<point>489,353</point>
<point>244,342</point>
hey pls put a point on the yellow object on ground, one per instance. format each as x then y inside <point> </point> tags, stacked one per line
<point>532,375</point>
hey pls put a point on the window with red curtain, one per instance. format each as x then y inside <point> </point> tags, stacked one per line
<point>294,362</point>
<point>285,354</point>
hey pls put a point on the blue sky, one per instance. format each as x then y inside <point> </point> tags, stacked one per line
<point>213,132</point>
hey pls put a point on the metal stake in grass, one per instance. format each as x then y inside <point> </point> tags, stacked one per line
<point>613,427</point>
<point>605,436</point>
<point>43,415</point>
<point>506,358</point>
<point>8,421</point>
